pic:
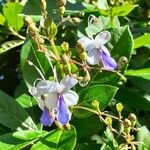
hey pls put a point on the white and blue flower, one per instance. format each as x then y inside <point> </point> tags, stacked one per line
<point>54,98</point>
<point>97,53</point>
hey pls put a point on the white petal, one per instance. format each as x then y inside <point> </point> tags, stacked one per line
<point>70,98</point>
<point>93,57</point>
<point>46,86</point>
<point>69,82</point>
<point>40,103</point>
<point>33,91</point>
<point>103,37</point>
<point>51,101</point>
<point>85,41</point>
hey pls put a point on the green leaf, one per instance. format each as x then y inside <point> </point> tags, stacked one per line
<point>13,115</point>
<point>142,41</point>
<point>122,10</point>
<point>20,139</point>
<point>133,99</point>
<point>57,140</point>
<point>8,45</point>
<point>102,93</point>
<point>30,52</point>
<point>144,137</point>
<point>11,12</point>
<point>143,73</point>
<point>124,45</point>
<point>2,19</point>
<point>87,127</point>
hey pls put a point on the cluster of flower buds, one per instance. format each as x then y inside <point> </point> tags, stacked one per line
<point>61,6</point>
<point>33,31</point>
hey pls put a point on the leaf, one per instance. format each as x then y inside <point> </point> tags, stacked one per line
<point>30,105</point>
<point>29,52</point>
<point>13,115</point>
<point>8,45</point>
<point>11,12</point>
<point>2,19</point>
<point>102,93</point>
<point>122,10</point>
<point>144,137</point>
<point>20,139</point>
<point>124,45</point>
<point>142,41</point>
<point>87,127</point>
<point>57,140</point>
<point>143,73</point>
<point>133,99</point>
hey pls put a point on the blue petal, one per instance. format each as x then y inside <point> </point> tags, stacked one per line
<point>63,114</point>
<point>46,118</point>
<point>108,62</point>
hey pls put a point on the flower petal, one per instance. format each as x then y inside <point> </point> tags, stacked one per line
<point>70,98</point>
<point>46,118</point>
<point>103,37</point>
<point>63,113</point>
<point>86,42</point>
<point>93,57</point>
<point>46,86</point>
<point>108,62</point>
<point>51,101</point>
<point>69,82</point>
<point>40,103</point>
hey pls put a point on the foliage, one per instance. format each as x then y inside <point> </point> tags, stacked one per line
<point>60,86</point>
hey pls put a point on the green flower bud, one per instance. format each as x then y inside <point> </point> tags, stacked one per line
<point>108,121</point>
<point>83,56</point>
<point>61,3</point>
<point>127,123</point>
<point>47,23</point>
<point>67,68</point>
<point>65,46</point>
<point>119,107</point>
<point>76,20</point>
<point>95,103</point>
<point>52,30</point>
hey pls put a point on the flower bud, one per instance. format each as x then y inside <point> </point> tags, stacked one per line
<point>95,104</point>
<point>119,107</point>
<point>122,62</point>
<point>61,3</point>
<point>80,48</point>
<point>83,56</point>
<point>52,30</point>
<point>127,123</point>
<point>47,23</point>
<point>132,117</point>
<point>28,20</point>
<point>61,10</point>
<point>108,121</point>
<point>43,5</point>
<point>67,68</point>
<point>76,20</point>
<point>133,147</point>
<point>65,46</point>
<point>66,58</point>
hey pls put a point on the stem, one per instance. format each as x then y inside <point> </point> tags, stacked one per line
<point>85,108</point>
<point>55,49</point>
<point>17,34</point>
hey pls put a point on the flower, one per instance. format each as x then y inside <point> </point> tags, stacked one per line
<point>54,98</point>
<point>97,52</point>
